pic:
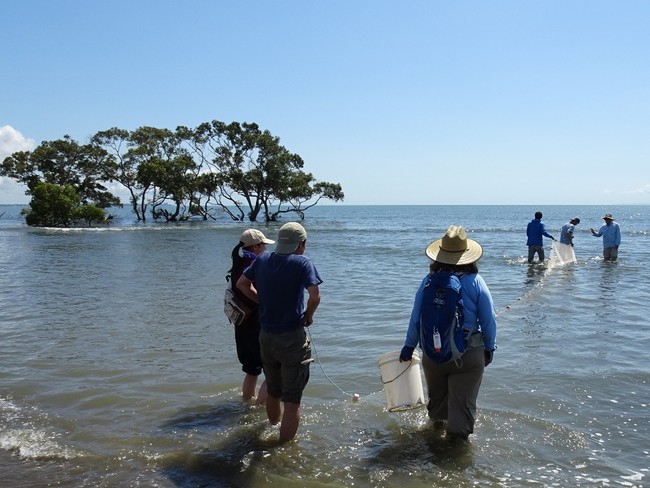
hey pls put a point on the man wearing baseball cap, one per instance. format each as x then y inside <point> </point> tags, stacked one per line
<point>566,234</point>
<point>277,281</point>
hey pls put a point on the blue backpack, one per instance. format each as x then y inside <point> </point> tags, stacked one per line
<point>441,318</point>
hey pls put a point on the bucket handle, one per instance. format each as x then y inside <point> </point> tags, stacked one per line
<point>405,370</point>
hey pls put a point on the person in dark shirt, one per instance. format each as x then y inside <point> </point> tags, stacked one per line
<point>277,281</point>
<point>247,335</point>
<point>535,232</point>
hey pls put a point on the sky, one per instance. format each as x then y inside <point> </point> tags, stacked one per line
<point>502,102</point>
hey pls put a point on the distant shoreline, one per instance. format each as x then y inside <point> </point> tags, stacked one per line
<point>541,205</point>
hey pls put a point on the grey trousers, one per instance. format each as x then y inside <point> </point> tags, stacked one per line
<point>535,249</point>
<point>453,391</point>
<point>610,253</point>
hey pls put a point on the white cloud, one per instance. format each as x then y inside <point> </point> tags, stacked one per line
<point>12,141</point>
<point>644,189</point>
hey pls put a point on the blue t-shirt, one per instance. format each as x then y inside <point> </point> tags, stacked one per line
<point>281,281</point>
<point>567,228</point>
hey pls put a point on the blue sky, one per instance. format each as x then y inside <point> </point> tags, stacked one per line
<point>401,102</point>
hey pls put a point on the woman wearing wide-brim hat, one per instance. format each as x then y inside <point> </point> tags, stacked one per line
<point>453,384</point>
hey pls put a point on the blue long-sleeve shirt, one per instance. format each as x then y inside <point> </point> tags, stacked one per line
<point>535,230</point>
<point>611,235</point>
<point>478,306</point>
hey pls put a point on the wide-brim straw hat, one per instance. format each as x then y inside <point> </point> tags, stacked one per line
<point>608,217</point>
<point>454,248</point>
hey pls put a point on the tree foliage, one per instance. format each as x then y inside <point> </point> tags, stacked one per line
<point>254,173</point>
<point>234,168</point>
<point>64,162</point>
<point>54,205</point>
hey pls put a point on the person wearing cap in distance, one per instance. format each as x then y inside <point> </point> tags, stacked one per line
<point>252,243</point>
<point>277,281</point>
<point>566,234</point>
<point>611,233</point>
<point>453,386</point>
<point>535,231</point>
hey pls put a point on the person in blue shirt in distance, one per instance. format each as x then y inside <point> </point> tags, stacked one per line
<point>566,234</point>
<point>535,232</point>
<point>611,233</point>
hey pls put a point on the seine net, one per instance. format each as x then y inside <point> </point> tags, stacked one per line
<point>561,254</point>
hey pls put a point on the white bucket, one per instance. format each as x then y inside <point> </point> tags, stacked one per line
<point>402,381</point>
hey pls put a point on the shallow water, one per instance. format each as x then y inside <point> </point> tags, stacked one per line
<point>118,365</point>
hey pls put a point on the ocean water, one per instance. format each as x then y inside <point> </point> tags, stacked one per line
<point>118,368</point>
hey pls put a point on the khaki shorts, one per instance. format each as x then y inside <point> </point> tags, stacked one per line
<point>286,358</point>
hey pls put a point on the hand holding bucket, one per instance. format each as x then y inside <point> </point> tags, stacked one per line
<point>402,380</point>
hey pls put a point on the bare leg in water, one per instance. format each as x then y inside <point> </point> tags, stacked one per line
<point>290,417</point>
<point>248,389</point>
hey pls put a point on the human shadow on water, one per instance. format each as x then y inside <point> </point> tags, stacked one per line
<point>232,462</point>
<point>422,449</point>
<point>209,417</point>
<point>232,457</point>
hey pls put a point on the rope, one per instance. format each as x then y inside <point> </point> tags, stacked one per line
<point>528,293</point>
<point>554,261</point>
<point>355,396</point>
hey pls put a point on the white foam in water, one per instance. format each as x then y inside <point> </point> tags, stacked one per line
<point>29,441</point>
<point>561,254</point>
<point>35,444</point>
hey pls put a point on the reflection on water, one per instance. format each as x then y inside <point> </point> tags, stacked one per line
<point>610,278</point>
<point>535,274</point>
<point>415,449</point>
<point>232,461</point>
